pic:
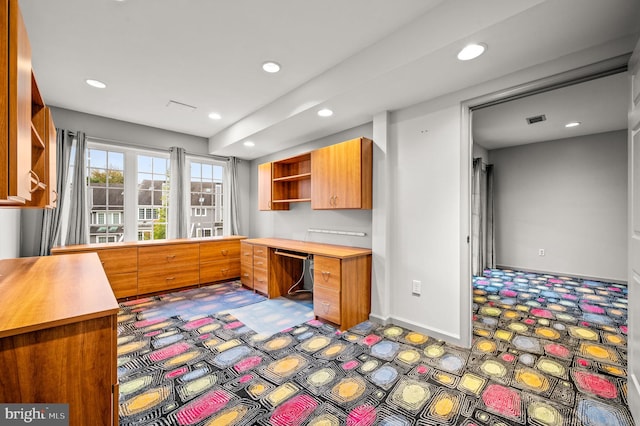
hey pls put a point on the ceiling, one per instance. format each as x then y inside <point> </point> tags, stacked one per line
<point>357,57</point>
<point>598,105</point>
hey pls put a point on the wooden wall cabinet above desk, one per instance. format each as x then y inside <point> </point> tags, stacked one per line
<point>338,176</point>
<point>341,281</point>
<point>145,267</point>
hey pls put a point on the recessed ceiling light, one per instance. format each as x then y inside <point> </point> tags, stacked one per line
<point>249,143</point>
<point>572,124</point>
<point>96,83</point>
<point>472,51</point>
<point>325,112</point>
<point>271,67</point>
<point>215,116</point>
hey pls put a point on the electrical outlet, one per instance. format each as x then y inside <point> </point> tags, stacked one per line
<point>541,252</point>
<point>417,287</point>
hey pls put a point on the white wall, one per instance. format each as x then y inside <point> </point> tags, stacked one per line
<point>426,221</point>
<point>295,222</point>
<point>10,240</point>
<point>568,197</point>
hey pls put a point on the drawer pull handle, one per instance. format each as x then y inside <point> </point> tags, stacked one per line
<point>224,252</point>
<point>259,263</point>
<point>247,254</point>
<point>102,263</point>
<point>326,275</point>
<point>170,278</point>
<point>224,271</point>
<point>326,307</point>
<point>171,256</point>
<point>245,275</point>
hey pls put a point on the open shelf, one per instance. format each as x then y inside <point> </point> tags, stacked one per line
<point>291,180</point>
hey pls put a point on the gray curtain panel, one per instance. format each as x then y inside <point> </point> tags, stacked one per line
<point>78,230</point>
<point>482,224</point>
<point>178,195</point>
<point>232,166</point>
<point>52,218</point>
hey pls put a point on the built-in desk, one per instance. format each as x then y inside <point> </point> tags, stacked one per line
<point>341,276</point>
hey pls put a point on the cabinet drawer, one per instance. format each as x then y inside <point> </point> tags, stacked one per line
<point>326,304</point>
<point>326,272</point>
<point>260,262</point>
<point>260,251</point>
<point>116,261</point>
<point>164,258</point>
<point>246,250</point>
<point>124,285</point>
<point>246,275</point>
<point>153,282</point>
<point>218,271</point>
<point>211,251</point>
<point>261,280</point>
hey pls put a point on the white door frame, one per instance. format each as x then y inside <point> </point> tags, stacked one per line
<point>589,72</point>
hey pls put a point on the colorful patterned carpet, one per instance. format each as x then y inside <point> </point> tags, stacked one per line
<point>547,351</point>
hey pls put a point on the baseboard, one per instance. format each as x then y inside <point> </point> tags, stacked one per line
<point>431,332</point>
<point>563,274</point>
<point>379,319</point>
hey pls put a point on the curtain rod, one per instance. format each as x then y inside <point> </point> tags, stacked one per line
<point>146,147</point>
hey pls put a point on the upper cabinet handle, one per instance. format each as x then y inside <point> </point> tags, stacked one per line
<point>326,275</point>
<point>35,179</point>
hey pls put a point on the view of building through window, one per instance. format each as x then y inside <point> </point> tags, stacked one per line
<point>105,176</point>
<point>153,197</point>
<point>116,174</point>
<point>206,199</point>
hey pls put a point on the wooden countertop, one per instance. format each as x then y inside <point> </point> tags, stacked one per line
<point>329,250</point>
<point>88,247</point>
<point>44,292</point>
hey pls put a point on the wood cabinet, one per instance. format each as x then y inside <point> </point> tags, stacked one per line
<point>144,267</point>
<point>219,260</point>
<point>58,336</point>
<point>265,189</point>
<point>342,175</point>
<point>261,269</point>
<point>334,177</point>
<point>341,293</point>
<point>246,264</point>
<point>27,150</point>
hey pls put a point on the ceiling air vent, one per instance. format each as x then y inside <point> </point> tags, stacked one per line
<point>536,119</point>
<point>180,106</point>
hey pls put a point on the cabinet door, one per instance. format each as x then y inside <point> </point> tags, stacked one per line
<point>51,141</point>
<point>341,176</point>
<point>264,189</point>
<point>16,150</point>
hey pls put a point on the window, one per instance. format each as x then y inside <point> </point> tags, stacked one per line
<point>105,185</point>
<point>203,232</point>
<point>206,198</point>
<point>153,195</point>
<point>128,192</point>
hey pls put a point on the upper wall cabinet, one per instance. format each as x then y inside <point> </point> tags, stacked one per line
<point>27,135</point>
<point>342,175</point>
<point>265,189</point>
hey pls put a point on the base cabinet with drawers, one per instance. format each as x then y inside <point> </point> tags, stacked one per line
<point>146,267</point>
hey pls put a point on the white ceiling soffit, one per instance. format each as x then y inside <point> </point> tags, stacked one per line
<point>599,105</point>
<point>358,58</point>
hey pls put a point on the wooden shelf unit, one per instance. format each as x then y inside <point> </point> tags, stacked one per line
<point>291,180</point>
<point>27,142</point>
